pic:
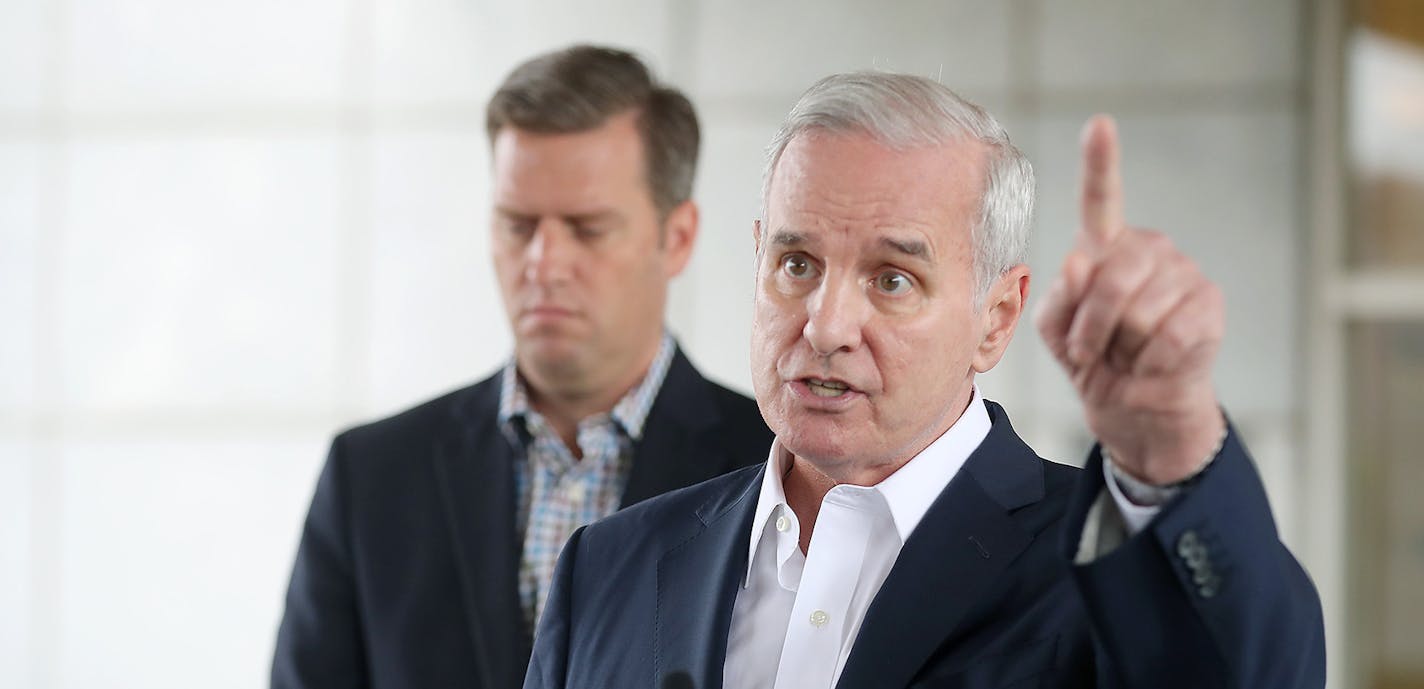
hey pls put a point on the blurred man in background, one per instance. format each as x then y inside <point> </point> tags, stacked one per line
<point>427,553</point>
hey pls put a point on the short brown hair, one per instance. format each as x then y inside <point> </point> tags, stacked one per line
<point>579,88</point>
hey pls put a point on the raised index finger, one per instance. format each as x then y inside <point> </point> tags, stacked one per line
<point>1101,203</point>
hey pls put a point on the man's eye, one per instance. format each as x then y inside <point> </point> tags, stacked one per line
<point>520,227</point>
<point>797,266</point>
<point>891,282</point>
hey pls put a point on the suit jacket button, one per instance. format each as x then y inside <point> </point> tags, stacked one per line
<point>1188,543</point>
<point>1197,559</point>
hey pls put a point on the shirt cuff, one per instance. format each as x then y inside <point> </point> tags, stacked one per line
<point>1137,502</point>
<point>1127,505</point>
<point>1111,520</point>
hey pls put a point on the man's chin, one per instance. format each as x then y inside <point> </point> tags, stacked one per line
<point>821,449</point>
<point>553,355</point>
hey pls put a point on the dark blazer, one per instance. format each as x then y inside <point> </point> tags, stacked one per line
<point>982,595</point>
<point>406,575</point>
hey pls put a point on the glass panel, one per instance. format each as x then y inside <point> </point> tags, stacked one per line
<point>1385,138</point>
<point>1386,552</point>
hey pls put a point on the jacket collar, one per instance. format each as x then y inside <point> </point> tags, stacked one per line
<point>474,472</point>
<point>948,566</point>
<point>474,463</point>
<point>697,585</point>
<point>672,451</point>
<point>967,538</point>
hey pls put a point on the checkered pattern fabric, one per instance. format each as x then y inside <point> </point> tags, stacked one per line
<point>557,493</point>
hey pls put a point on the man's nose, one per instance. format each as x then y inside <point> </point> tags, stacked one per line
<point>836,316</point>
<point>547,256</point>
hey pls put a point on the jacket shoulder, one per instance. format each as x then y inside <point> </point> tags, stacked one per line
<point>420,425</point>
<point>690,507</point>
<point>741,418</point>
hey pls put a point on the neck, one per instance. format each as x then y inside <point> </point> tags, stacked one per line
<point>806,485</point>
<point>564,403</point>
<point>805,488</point>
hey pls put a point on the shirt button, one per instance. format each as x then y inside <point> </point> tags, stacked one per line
<point>819,618</point>
<point>575,492</point>
<point>782,523</point>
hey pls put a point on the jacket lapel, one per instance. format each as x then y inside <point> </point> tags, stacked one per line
<point>474,467</point>
<point>949,565</point>
<point>697,587</point>
<point>671,453</point>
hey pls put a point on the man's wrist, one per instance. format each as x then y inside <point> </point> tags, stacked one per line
<point>1144,492</point>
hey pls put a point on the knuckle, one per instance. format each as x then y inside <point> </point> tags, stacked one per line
<point>1178,333</point>
<point>1182,264</point>
<point>1115,283</point>
<point>1156,240</point>
<point>1108,290</point>
<point>1138,321</point>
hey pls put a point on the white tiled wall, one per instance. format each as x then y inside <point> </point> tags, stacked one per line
<point>164,57</point>
<point>1115,44</point>
<point>755,49</point>
<point>434,308</point>
<point>199,273</point>
<point>711,302</point>
<point>644,26</point>
<point>229,228</point>
<point>20,180</point>
<point>432,52</point>
<point>24,53</point>
<point>16,559</point>
<point>173,553</point>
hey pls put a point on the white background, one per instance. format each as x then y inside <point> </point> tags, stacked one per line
<point>230,228</point>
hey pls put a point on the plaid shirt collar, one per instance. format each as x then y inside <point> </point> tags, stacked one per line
<point>630,412</point>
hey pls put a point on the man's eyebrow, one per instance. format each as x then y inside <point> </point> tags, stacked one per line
<point>787,238</point>
<point>605,215</point>
<point>910,247</point>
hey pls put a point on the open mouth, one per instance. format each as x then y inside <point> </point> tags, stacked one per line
<point>826,388</point>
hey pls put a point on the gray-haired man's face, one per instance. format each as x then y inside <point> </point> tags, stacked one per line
<point>866,335</point>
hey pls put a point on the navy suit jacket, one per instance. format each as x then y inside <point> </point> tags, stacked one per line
<point>406,575</point>
<point>983,593</point>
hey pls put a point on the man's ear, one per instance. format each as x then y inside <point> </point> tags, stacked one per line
<point>679,235</point>
<point>756,240</point>
<point>1002,307</point>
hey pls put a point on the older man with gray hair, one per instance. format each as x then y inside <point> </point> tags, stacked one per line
<point>900,533</point>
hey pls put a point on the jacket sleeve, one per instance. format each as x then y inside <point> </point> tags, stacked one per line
<point>1206,595</point>
<point>548,668</point>
<point>319,641</point>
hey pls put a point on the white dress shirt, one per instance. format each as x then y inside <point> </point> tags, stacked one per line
<point>796,617</point>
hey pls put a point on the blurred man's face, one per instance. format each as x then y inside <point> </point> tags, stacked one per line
<point>867,332</point>
<point>582,264</point>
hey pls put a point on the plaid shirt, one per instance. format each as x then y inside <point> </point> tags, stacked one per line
<point>557,493</point>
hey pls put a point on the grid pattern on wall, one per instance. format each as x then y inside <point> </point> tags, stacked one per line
<point>229,229</point>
